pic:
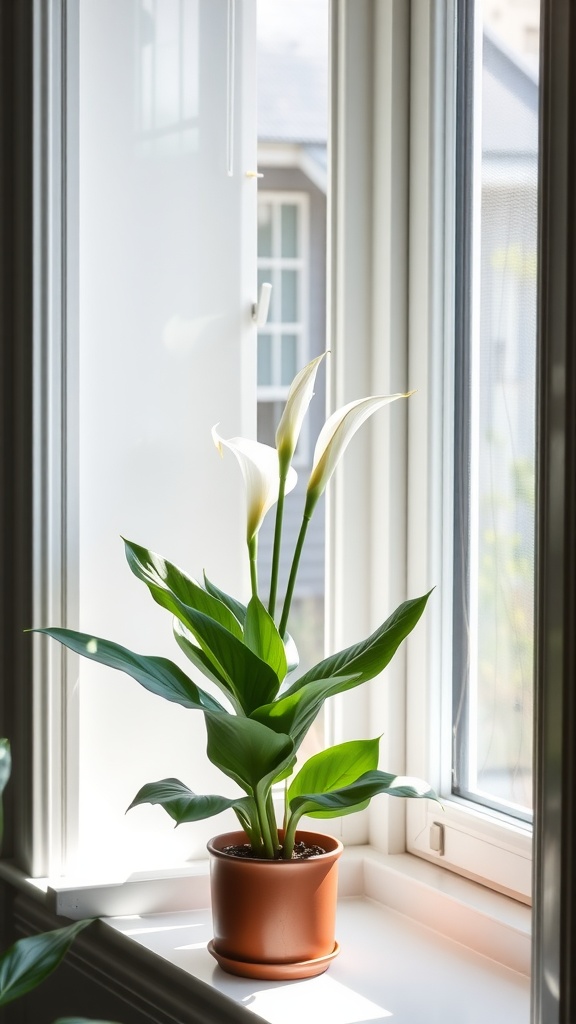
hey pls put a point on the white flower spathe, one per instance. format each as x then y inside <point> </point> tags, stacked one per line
<point>299,398</point>
<point>334,438</point>
<point>259,465</point>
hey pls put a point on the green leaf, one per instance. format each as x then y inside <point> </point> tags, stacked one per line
<point>29,961</point>
<point>335,767</point>
<point>247,751</point>
<point>236,607</point>
<point>196,655</point>
<point>82,1020</point>
<point>181,803</point>
<point>218,632</point>
<point>367,786</point>
<point>175,590</point>
<point>263,638</point>
<point>294,713</point>
<point>249,679</point>
<point>370,656</point>
<point>158,675</point>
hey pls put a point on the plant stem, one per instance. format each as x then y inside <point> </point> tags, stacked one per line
<point>269,847</point>
<point>277,542</point>
<point>251,831</point>
<point>272,821</point>
<point>285,819</point>
<point>293,574</point>
<point>253,553</point>
<point>289,837</point>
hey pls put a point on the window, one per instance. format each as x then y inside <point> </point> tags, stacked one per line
<point>179,331</point>
<point>484,758</point>
<point>283,262</point>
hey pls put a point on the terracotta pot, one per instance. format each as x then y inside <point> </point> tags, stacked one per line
<point>274,918</point>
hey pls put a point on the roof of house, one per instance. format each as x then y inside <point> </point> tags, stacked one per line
<point>293,84</point>
<point>293,71</point>
<point>510,102</point>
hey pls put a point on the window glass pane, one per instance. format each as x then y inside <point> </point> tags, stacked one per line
<point>265,359</point>
<point>289,356</point>
<point>268,418</point>
<point>495,468</point>
<point>289,230</point>
<point>289,296</point>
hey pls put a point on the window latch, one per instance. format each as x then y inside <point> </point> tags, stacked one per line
<point>260,308</point>
<point>437,838</point>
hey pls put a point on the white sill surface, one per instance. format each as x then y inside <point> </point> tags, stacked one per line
<point>419,945</point>
<point>390,969</point>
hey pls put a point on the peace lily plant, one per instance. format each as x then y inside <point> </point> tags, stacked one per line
<point>255,732</point>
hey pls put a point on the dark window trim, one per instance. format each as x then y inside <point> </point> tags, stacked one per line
<point>554,946</point>
<point>16,329</point>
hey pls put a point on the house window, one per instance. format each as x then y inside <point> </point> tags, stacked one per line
<point>283,262</point>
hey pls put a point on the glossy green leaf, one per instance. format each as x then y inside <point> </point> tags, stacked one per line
<point>236,607</point>
<point>367,786</point>
<point>247,751</point>
<point>181,803</point>
<point>158,675</point>
<point>370,656</point>
<point>294,713</point>
<point>249,679</point>
<point>335,767</point>
<point>201,660</point>
<point>29,961</point>
<point>263,638</point>
<point>175,590</point>
<point>82,1020</point>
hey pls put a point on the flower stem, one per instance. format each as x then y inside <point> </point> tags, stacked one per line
<point>277,543</point>
<point>293,574</point>
<point>253,552</point>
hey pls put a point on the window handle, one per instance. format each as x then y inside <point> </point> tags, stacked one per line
<point>260,308</point>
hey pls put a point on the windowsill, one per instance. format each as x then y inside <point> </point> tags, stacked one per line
<point>417,944</point>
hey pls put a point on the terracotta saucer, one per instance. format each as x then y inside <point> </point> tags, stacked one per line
<point>275,972</point>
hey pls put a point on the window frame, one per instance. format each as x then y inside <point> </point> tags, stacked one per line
<point>487,846</point>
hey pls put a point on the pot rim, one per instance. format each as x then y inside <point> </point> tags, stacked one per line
<point>237,837</point>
